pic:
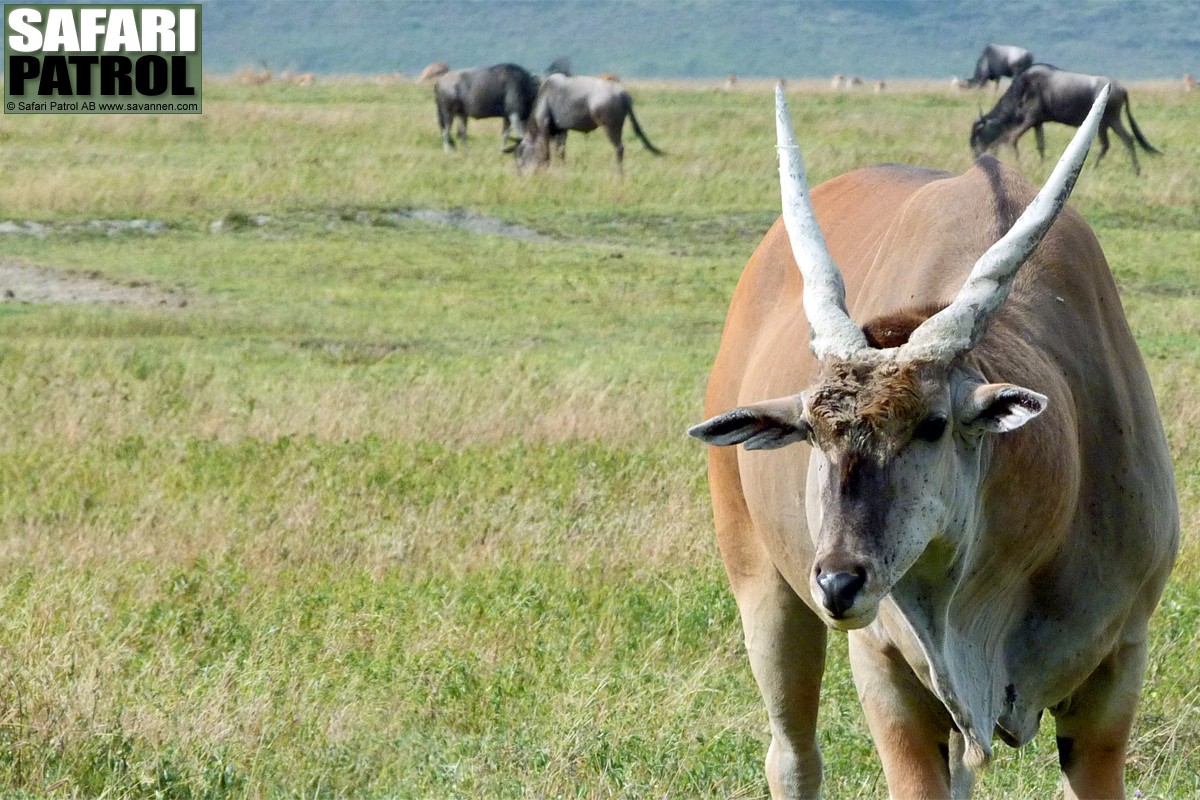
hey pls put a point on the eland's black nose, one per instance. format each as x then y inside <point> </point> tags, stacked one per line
<point>840,589</point>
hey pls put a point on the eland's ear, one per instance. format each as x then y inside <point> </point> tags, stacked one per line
<point>1001,407</point>
<point>761,426</point>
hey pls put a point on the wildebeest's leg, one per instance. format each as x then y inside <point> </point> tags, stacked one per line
<point>513,124</point>
<point>1102,135</point>
<point>445,122</point>
<point>614,136</point>
<point>1040,136</point>
<point>910,727</point>
<point>1019,131</point>
<point>462,128</point>
<point>1127,138</point>
<point>1093,726</point>
<point>504,134</point>
<point>560,145</point>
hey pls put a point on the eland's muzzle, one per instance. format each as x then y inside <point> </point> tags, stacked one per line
<point>840,589</point>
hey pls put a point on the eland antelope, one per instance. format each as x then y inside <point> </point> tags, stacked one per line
<point>952,451</point>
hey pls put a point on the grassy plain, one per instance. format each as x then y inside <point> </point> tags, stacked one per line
<point>394,509</point>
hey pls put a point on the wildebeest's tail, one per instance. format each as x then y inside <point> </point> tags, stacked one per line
<point>1137,133</point>
<point>637,129</point>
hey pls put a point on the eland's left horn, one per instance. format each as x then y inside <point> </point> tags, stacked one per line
<point>831,331</point>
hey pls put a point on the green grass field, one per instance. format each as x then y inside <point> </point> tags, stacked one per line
<point>390,508</point>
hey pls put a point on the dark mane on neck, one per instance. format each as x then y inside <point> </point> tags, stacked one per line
<point>893,329</point>
<point>1009,104</point>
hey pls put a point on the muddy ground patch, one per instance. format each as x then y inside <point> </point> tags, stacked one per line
<point>22,284</point>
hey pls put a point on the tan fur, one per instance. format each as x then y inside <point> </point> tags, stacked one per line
<point>871,410</point>
<point>432,71</point>
<point>1079,497</point>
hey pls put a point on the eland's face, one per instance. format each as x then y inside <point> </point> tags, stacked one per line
<point>882,486</point>
<point>894,458</point>
<point>894,468</point>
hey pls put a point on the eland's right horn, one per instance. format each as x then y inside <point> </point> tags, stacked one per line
<point>958,327</point>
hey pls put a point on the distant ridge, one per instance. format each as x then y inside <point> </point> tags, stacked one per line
<point>1129,39</point>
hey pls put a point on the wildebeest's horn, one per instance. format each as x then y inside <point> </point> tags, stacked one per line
<point>831,332</point>
<point>961,325</point>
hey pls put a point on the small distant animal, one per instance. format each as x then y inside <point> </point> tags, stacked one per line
<point>304,79</point>
<point>1000,61</point>
<point>1042,94</point>
<point>255,77</point>
<point>856,81</point>
<point>959,83</point>
<point>952,452</point>
<point>560,65</point>
<point>731,83</point>
<point>576,103</point>
<point>1189,82</point>
<point>880,86</point>
<point>608,76</point>
<point>838,82</point>
<point>503,90</point>
<point>432,71</point>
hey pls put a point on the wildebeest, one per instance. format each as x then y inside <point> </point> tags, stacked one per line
<point>1043,94</point>
<point>503,90</point>
<point>979,489</point>
<point>1000,61</point>
<point>576,103</point>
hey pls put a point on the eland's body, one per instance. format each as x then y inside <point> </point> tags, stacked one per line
<point>503,90</point>
<point>983,496</point>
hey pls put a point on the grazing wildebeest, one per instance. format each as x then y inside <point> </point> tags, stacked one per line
<point>1000,61</point>
<point>504,90</point>
<point>980,490</point>
<point>576,103</point>
<point>1043,94</point>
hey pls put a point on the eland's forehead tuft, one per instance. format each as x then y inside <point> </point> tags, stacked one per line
<point>867,406</point>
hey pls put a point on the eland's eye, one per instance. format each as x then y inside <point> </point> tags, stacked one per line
<point>931,428</point>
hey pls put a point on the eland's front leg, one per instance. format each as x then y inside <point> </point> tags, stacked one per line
<point>786,644</point>
<point>1093,727</point>
<point>910,727</point>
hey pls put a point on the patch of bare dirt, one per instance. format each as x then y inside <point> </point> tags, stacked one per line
<point>20,284</point>
<point>472,222</point>
<point>111,227</point>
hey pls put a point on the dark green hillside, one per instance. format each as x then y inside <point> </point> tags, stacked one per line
<point>704,38</point>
